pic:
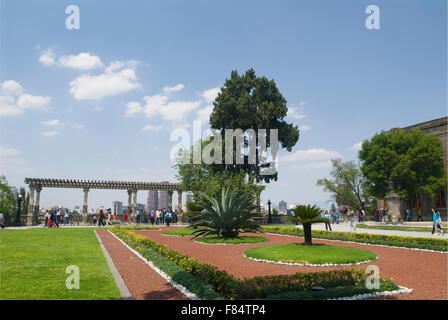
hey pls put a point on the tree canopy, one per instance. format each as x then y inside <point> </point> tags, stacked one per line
<point>7,200</point>
<point>251,102</point>
<point>413,160</point>
<point>347,185</point>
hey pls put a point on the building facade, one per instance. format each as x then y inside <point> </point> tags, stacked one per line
<point>152,202</point>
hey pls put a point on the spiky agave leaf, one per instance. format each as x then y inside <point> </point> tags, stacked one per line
<point>227,215</point>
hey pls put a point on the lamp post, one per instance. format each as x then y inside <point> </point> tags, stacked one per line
<point>269,211</point>
<point>19,204</point>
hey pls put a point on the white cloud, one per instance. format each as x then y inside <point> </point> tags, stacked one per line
<point>113,81</point>
<point>293,113</point>
<point>76,125</point>
<point>83,61</point>
<point>304,127</point>
<point>11,87</point>
<point>13,103</point>
<point>178,87</point>
<point>52,123</point>
<point>203,114</point>
<point>158,105</point>
<point>356,146</point>
<point>311,155</point>
<point>47,58</point>
<point>211,94</point>
<point>150,127</point>
<point>8,152</point>
<point>50,133</point>
<point>133,107</point>
<point>8,107</point>
<point>28,101</point>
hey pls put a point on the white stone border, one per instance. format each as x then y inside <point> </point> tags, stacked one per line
<point>179,287</point>
<point>363,243</point>
<point>310,264</point>
<point>375,294</point>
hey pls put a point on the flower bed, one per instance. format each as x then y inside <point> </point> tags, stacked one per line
<point>380,239</point>
<point>229,287</point>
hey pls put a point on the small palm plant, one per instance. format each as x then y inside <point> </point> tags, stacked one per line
<point>307,215</point>
<point>228,215</point>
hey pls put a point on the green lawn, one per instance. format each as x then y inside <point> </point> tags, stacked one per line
<point>179,232</point>
<point>33,264</point>
<point>315,254</point>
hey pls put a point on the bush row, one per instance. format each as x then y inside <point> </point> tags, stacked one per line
<point>389,240</point>
<point>229,287</point>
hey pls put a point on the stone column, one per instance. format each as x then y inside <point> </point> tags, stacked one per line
<point>170,200</point>
<point>85,206</point>
<point>37,206</point>
<point>179,200</point>
<point>393,203</point>
<point>129,202</point>
<point>134,206</point>
<point>30,213</point>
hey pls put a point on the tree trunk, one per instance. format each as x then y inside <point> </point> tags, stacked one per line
<point>307,234</point>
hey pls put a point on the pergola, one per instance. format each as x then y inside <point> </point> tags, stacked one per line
<point>36,185</point>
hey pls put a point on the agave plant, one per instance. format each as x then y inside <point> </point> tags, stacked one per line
<point>307,215</point>
<point>228,215</point>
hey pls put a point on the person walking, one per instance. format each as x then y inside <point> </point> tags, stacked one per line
<point>47,216</point>
<point>419,215</point>
<point>125,214</point>
<point>436,221</point>
<point>327,216</point>
<point>384,214</point>
<point>58,217</point>
<point>336,216</point>
<point>409,214</point>
<point>66,216</point>
<point>101,218</point>
<point>94,219</point>
<point>157,216</point>
<point>351,219</point>
<point>138,216</point>
<point>168,218</point>
<point>436,224</point>
<point>2,217</point>
<point>151,217</point>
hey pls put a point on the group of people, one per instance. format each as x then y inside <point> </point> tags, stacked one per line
<point>55,218</point>
<point>334,216</point>
<point>104,218</point>
<point>155,217</point>
<point>163,217</point>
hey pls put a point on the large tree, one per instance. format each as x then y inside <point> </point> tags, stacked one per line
<point>347,185</point>
<point>413,160</point>
<point>251,102</point>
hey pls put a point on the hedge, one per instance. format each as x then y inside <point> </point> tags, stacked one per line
<point>229,287</point>
<point>381,239</point>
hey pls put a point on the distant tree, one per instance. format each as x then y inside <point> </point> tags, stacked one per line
<point>251,102</point>
<point>7,199</point>
<point>347,185</point>
<point>413,160</point>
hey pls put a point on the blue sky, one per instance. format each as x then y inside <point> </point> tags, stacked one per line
<point>100,102</point>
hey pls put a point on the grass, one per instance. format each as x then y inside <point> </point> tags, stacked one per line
<point>33,265</point>
<point>179,232</point>
<point>236,240</point>
<point>315,254</point>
